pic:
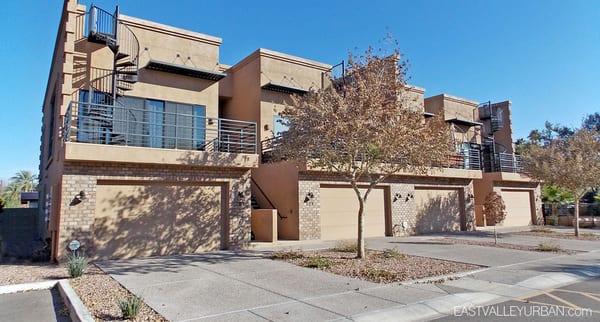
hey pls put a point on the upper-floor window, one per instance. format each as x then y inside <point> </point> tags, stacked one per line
<point>278,126</point>
<point>141,122</point>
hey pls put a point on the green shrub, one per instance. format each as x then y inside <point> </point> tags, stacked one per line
<point>77,265</point>
<point>319,262</point>
<point>393,253</point>
<point>130,307</point>
<point>548,247</point>
<point>345,246</point>
<point>286,255</point>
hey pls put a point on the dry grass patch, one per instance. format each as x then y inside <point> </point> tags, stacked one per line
<point>549,247</point>
<point>386,266</point>
<point>102,295</point>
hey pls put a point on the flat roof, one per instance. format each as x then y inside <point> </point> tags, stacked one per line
<point>462,121</point>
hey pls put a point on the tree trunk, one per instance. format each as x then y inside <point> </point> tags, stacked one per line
<point>360,249</point>
<point>576,224</point>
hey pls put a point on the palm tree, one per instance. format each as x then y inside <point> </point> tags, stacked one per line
<point>25,181</point>
<point>11,195</point>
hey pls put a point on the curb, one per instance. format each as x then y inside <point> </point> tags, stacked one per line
<point>77,310</point>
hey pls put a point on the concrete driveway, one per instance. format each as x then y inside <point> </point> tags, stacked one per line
<point>228,286</point>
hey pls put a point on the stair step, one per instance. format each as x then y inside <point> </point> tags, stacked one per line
<point>121,55</point>
<point>126,63</point>
<point>127,72</point>
<point>127,78</point>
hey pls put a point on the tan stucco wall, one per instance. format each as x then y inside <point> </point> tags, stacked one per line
<point>140,155</point>
<point>438,209</point>
<point>264,225</point>
<point>279,181</point>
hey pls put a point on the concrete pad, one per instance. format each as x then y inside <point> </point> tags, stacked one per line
<point>479,255</point>
<point>490,287</point>
<point>415,312</point>
<point>296,311</point>
<point>245,316</point>
<point>197,298</point>
<point>402,294</point>
<point>350,303</point>
<point>40,305</point>
<point>299,282</point>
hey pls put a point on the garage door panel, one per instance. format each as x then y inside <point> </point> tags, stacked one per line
<point>152,219</point>
<point>339,214</point>
<point>518,207</point>
<point>438,210</point>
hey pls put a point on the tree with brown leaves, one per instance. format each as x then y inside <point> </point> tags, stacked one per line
<point>494,211</point>
<point>571,163</point>
<point>365,128</point>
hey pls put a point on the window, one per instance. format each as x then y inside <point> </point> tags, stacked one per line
<point>278,126</point>
<point>51,127</point>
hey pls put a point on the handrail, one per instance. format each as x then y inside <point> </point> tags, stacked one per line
<point>267,198</point>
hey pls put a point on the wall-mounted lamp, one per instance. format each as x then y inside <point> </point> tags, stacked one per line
<point>78,198</point>
<point>266,127</point>
<point>240,196</point>
<point>397,196</point>
<point>211,121</point>
<point>470,196</point>
<point>309,196</point>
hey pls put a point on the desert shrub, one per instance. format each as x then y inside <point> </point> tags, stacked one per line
<point>541,230</point>
<point>286,255</point>
<point>77,265</point>
<point>345,246</point>
<point>130,307</point>
<point>548,247</point>
<point>393,253</point>
<point>377,274</point>
<point>319,262</point>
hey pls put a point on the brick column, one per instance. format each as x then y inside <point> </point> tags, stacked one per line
<point>309,210</point>
<point>403,207</point>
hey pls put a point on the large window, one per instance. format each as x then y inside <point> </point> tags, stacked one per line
<point>141,122</point>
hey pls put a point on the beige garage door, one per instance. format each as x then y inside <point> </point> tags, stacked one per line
<point>339,217</point>
<point>149,219</point>
<point>518,208</point>
<point>438,210</point>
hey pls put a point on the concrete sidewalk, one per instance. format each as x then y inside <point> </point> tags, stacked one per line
<point>228,286</point>
<point>40,305</point>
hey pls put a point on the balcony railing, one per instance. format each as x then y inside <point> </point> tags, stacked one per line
<point>469,159</point>
<point>129,126</point>
<point>503,162</point>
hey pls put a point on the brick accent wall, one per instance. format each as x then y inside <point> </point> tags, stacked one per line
<point>403,212</point>
<point>309,209</point>
<point>77,219</point>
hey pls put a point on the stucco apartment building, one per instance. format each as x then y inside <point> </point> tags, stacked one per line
<point>151,146</point>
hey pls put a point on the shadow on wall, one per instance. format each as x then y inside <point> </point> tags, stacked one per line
<point>156,218</point>
<point>439,214</point>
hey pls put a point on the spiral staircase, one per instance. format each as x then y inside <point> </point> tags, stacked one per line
<point>105,28</point>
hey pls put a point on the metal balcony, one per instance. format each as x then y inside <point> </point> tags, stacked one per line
<point>503,162</point>
<point>128,126</point>
<point>468,159</point>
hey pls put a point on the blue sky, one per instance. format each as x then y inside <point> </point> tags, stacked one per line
<point>542,55</point>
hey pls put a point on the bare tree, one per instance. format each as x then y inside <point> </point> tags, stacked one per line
<point>364,128</point>
<point>571,163</point>
<point>494,211</point>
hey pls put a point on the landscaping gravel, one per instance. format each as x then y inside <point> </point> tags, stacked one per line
<point>101,294</point>
<point>378,266</point>
<point>26,272</point>
<point>554,234</point>
<point>505,245</point>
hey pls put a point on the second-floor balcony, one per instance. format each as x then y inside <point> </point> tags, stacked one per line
<point>467,158</point>
<point>503,162</point>
<point>147,126</point>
